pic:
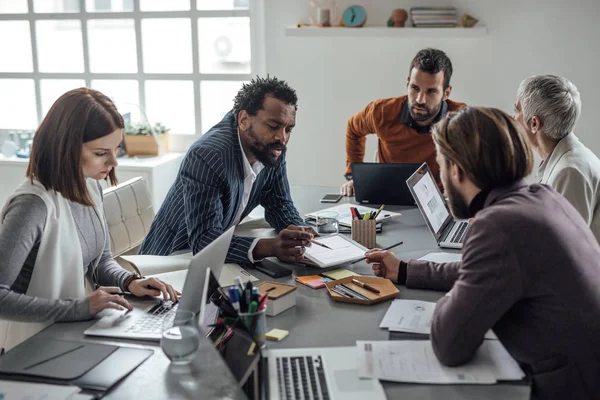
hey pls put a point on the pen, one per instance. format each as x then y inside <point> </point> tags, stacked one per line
<point>320,244</point>
<point>378,211</point>
<point>365,286</point>
<point>233,298</point>
<point>354,292</point>
<point>387,248</point>
<point>358,216</point>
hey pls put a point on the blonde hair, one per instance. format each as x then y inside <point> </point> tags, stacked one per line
<point>488,145</point>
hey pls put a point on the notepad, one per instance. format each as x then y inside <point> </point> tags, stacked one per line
<point>340,273</point>
<point>341,249</point>
<point>313,281</point>
<point>277,335</point>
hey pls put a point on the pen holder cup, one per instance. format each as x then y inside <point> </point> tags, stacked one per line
<point>363,232</point>
<point>257,325</point>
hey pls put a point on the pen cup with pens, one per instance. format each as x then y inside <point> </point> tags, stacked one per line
<point>256,322</point>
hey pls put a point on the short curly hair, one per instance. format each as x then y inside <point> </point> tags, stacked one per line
<point>433,61</point>
<point>251,96</point>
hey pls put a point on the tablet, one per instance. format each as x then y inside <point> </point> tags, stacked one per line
<point>341,249</point>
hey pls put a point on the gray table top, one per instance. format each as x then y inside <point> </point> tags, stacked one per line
<point>315,321</point>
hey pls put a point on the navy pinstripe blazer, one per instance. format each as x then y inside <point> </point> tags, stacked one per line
<point>206,195</point>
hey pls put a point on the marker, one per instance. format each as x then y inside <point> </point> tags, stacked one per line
<point>234,298</point>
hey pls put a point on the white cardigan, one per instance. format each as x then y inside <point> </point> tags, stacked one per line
<point>573,170</point>
<point>58,269</point>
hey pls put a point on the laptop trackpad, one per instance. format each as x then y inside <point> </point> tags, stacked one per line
<point>347,380</point>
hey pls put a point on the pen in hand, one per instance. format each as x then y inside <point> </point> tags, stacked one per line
<point>320,244</point>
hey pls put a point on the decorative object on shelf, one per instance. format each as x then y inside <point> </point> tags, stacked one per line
<point>468,21</point>
<point>354,16</point>
<point>322,12</point>
<point>433,17</point>
<point>9,148</point>
<point>144,139</point>
<point>398,18</point>
<point>323,17</point>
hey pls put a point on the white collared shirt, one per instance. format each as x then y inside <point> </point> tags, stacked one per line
<point>250,174</point>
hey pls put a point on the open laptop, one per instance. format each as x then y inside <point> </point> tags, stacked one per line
<point>447,231</point>
<point>377,183</point>
<point>146,322</point>
<point>304,373</point>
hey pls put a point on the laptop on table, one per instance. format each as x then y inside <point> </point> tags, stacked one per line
<point>447,231</point>
<point>294,374</point>
<point>382,183</point>
<point>146,320</point>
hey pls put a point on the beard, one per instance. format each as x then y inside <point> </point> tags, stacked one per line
<point>429,114</point>
<point>264,152</point>
<point>458,207</point>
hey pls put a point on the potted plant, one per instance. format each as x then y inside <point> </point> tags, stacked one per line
<point>143,139</point>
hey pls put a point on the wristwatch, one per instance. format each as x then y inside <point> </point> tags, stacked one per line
<point>348,176</point>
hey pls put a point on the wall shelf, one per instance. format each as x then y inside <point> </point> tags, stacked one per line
<point>385,32</point>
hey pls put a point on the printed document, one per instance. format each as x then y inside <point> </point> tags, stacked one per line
<point>413,316</point>
<point>415,361</point>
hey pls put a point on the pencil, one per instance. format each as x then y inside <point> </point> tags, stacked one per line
<point>320,244</point>
<point>387,248</point>
<point>378,211</point>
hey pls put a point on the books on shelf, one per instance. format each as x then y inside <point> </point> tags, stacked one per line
<point>433,17</point>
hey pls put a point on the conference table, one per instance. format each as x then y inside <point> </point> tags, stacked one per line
<point>315,321</point>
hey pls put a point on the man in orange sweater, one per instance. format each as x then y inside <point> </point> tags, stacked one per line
<point>402,124</point>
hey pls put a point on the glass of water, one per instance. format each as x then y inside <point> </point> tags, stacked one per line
<point>180,337</point>
<point>327,222</point>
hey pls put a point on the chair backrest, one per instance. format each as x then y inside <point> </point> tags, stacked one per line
<point>129,213</point>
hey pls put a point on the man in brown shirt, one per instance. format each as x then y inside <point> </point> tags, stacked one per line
<point>402,124</point>
<point>530,265</point>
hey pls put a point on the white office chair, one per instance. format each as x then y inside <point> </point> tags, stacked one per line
<point>129,213</point>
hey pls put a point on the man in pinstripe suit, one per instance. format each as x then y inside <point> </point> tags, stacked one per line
<point>238,164</point>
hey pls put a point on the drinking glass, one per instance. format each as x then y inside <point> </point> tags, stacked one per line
<point>180,337</point>
<point>327,222</point>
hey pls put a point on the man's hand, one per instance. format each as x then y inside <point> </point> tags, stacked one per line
<point>385,263</point>
<point>288,246</point>
<point>348,188</point>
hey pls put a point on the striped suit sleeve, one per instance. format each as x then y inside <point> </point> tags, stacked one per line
<point>202,183</point>
<point>280,211</point>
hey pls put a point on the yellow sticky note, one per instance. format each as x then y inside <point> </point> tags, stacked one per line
<point>339,273</point>
<point>277,335</point>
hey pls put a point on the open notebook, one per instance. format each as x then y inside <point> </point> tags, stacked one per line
<point>342,249</point>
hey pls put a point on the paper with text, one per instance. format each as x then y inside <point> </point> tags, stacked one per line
<point>414,361</point>
<point>413,316</point>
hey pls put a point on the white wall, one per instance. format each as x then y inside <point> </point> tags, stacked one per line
<point>336,77</point>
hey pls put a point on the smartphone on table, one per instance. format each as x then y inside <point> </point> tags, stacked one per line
<point>331,198</point>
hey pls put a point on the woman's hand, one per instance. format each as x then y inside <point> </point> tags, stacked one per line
<point>106,297</point>
<point>153,287</point>
<point>385,263</point>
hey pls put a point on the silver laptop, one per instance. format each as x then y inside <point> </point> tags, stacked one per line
<point>147,319</point>
<point>447,231</point>
<point>306,373</point>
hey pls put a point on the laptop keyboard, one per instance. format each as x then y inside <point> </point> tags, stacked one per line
<point>459,233</point>
<point>302,378</point>
<point>156,318</point>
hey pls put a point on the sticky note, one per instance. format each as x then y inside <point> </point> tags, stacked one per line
<point>339,273</point>
<point>277,335</point>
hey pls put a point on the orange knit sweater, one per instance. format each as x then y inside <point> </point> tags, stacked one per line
<point>398,143</point>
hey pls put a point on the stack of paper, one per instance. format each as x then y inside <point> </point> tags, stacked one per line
<point>415,361</point>
<point>413,316</point>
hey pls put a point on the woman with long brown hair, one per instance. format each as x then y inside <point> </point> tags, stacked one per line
<point>53,232</point>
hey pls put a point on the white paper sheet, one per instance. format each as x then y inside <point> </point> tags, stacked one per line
<point>441,257</point>
<point>13,390</point>
<point>414,361</point>
<point>342,250</point>
<point>505,368</point>
<point>413,316</point>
